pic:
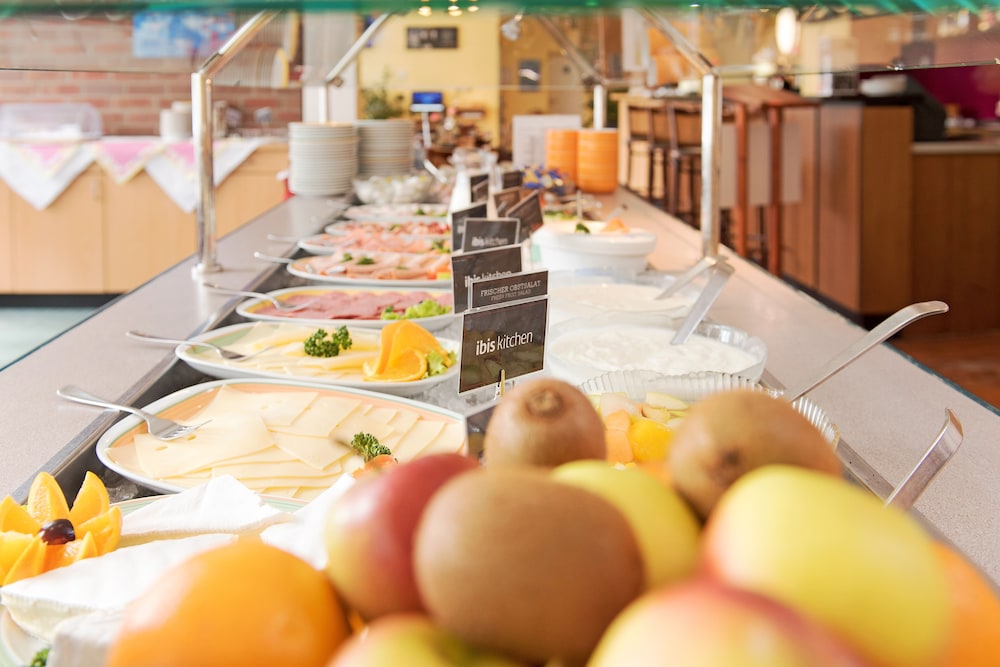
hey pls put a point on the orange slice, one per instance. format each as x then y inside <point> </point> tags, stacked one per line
<point>46,501</point>
<point>12,545</point>
<point>615,225</point>
<point>105,530</point>
<point>91,500</point>
<point>14,517</point>
<point>385,347</point>
<point>407,366</point>
<point>29,563</point>
<point>61,555</point>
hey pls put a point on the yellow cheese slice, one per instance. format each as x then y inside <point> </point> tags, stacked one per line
<point>451,439</point>
<point>356,423</point>
<point>225,437</point>
<point>316,451</point>
<point>268,470</point>
<point>417,438</point>
<point>275,407</point>
<point>321,416</point>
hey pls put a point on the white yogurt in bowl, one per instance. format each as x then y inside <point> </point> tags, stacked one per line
<point>582,352</point>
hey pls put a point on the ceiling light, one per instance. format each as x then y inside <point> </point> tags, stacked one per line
<point>424,10</point>
<point>511,29</point>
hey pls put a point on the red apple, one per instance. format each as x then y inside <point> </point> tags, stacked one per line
<point>369,533</point>
<point>412,640</point>
<point>700,623</point>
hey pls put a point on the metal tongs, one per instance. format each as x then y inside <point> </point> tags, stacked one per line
<point>947,442</point>
<point>719,271</point>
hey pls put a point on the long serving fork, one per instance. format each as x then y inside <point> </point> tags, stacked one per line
<point>164,429</point>
<point>278,303</point>
<point>221,351</point>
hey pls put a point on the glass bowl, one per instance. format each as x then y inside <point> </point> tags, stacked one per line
<point>582,348</point>
<point>636,384</point>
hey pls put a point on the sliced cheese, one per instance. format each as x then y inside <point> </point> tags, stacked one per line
<point>316,451</point>
<point>277,408</point>
<point>226,436</point>
<point>417,438</point>
<point>451,439</point>
<point>321,417</point>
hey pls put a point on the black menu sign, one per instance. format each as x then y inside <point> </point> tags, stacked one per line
<point>511,179</point>
<point>503,200</point>
<point>469,266</point>
<point>529,212</point>
<point>515,287</point>
<point>458,222</point>
<point>485,233</point>
<point>508,338</point>
<point>480,184</point>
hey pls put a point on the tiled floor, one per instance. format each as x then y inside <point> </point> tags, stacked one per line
<point>22,329</point>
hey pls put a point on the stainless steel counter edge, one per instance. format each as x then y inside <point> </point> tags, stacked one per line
<point>887,408</point>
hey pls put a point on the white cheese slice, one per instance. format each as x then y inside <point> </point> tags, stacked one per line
<point>221,505</point>
<point>226,436</point>
<point>103,583</point>
<point>84,641</point>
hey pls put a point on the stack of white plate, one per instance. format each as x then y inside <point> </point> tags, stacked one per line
<point>322,158</point>
<point>385,147</point>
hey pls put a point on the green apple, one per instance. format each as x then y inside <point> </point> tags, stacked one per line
<point>700,623</point>
<point>413,640</point>
<point>665,527</point>
<point>836,553</point>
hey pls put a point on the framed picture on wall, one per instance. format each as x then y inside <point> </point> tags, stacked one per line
<point>432,38</point>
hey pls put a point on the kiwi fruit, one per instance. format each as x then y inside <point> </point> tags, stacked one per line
<point>543,422</point>
<point>512,560</point>
<point>728,434</point>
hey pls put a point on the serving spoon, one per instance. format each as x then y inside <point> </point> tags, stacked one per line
<point>221,351</point>
<point>891,325</point>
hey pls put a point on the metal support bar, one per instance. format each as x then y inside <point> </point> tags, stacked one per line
<point>711,129</point>
<point>202,136</point>
<point>333,76</point>
<point>591,75</point>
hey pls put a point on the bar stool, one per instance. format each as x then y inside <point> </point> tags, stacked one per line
<point>643,130</point>
<point>683,159</point>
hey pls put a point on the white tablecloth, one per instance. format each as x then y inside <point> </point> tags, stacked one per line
<point>40,172</point>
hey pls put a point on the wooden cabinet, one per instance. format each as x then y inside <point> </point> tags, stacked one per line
<point>865,206</point>
<point>60,248</point>
<point>956,239</point>
<point>102,237</point>
<point>144,233</point>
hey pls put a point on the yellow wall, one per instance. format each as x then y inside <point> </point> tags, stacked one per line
<point>468,75</point>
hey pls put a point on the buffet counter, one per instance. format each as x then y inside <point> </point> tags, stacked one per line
<point>888,409</point>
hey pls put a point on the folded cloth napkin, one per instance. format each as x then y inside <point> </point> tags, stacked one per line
<point>104,583</point>
<point>221,505</point>
<point>303,535</point>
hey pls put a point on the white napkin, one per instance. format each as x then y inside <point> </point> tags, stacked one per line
<point>105,583</point>
<point>304,534</point>
<point>221,505</point>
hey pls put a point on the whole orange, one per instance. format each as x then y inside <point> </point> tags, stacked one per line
<point>246,603</point>
<point>975,640</point>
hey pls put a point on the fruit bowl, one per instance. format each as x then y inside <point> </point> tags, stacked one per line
<point>638,384</point>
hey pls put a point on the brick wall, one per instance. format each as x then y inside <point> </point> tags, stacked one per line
<point>128,92</point>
